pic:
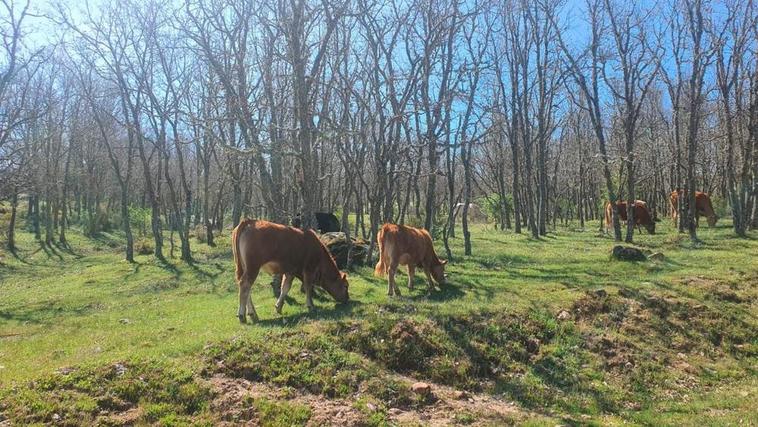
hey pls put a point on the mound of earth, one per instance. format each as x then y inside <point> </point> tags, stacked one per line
<point>337,244</point>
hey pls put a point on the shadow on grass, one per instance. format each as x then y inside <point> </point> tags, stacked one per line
<point>333,311</point>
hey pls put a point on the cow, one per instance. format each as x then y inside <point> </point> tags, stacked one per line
<point>278,249</point>
<point>703,207</point>
<point>326,222</point>
<point>402,245</point>
<point>642,216</point>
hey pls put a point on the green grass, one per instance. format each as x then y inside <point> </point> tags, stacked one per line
<point>670,342</point>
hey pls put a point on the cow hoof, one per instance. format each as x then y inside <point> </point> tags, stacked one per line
<point>242,318</point>
<point>278,308</point>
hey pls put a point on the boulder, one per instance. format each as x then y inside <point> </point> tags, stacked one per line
<point>336,243</point>
<point>627,253</point>
<point>658,256</point>
<point>533,345</point>
<point>422,389</point>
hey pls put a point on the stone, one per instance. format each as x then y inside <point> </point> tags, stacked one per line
<point>371,407</point>
<point>627,253</point>
<point>564,315</point>
<point>460,395</point>
<point>422,389</point>
<point>533,345</point>
<point>600,293</point>
<point>657,256</point>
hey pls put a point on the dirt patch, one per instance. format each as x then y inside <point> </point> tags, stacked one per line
<point>234,405</point>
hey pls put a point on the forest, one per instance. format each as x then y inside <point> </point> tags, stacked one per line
<point>161,118</point>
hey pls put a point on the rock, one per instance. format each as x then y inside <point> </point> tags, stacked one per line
<point>564,315</point>
<point>395,411</point>
<point>120,369</point>
<point>336,243</point>
<point>460,395</point>
<point>371,407</point>
<point>422,389</point>
<point>65,370</point>
<point>657,256</point>
<point>56,417</point>
<point>125,321</point>
<point>627,253</point>
<point>533,345</point>
<point>600,293</point>
<point>628,365</point>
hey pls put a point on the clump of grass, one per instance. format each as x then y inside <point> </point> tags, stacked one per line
<point>273,413</point>
<point>457,350</point>
<point>93,394</point>
<point>297,359</point>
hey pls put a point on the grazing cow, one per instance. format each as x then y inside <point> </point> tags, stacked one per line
<point>326,222</point>
<point>278,249</point>
<point>703,207</point>
<point>642,215</point>
<point>401,245</point>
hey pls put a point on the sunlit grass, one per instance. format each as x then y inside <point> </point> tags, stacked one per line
<point>61,307</point>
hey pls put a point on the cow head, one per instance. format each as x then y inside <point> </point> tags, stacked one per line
<point>650,227</point>
<point>337,288</point>
<point>438,272</point>
<point>712,220</point>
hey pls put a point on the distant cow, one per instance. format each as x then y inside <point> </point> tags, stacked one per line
<point>325,222</point>
<point>642,216</point>
<point>703,207</point>
<point>278,249</point>
<point>475,213</point>
<point>401,245</point>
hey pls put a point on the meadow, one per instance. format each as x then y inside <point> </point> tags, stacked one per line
<point>535,332</point>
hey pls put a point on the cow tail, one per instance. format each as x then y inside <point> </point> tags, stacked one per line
<point>239,268</point>
<point>380,268</point>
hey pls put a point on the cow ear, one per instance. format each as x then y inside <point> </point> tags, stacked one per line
<point>444,262</point>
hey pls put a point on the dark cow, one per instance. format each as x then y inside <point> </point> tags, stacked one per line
<point>642,216</point>
<point>278,249</point>
<point>703,207</point>
<point>326,222</point>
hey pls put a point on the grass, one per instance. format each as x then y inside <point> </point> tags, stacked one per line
<point>667,342</point>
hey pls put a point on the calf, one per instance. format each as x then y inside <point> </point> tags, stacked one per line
<point>278,249</point>
<point>401,245</point>
<point>641,215</point>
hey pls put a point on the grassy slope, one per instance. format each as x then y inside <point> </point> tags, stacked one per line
<point>62,308</point>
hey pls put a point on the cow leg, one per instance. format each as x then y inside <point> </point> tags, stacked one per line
<point>393,289</point>
<point>308,284</point>
<point>286,284</point>
<point>411,272</point>
<point>429,279</point>
<point>246,302</point>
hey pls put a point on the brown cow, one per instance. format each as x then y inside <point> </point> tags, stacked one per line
<point>278,249</point>
<point>703,207</point>
<point>641,215</point>
<point>401,245</point>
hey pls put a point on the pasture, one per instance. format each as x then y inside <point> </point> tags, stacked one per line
<point>537,332</point>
